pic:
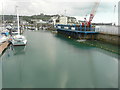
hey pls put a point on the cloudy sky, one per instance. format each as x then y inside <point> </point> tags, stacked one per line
<point>76,8</point>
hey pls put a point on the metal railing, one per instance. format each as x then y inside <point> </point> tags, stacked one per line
<point>76,27</point>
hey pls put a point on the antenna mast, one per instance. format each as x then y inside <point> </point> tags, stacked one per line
<point>18,20</point>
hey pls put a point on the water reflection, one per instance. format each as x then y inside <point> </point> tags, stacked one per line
<point>13,50</point>
<point>18,50</point>
<point>13,59</point>
<point>85,46</point>
<point>73,42</point>
<point>111,54</point>
<point>0,74</point>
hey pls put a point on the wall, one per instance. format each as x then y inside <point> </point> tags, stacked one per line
<point>110,34</point>
<point>113,39</point>
<point>107,29</point>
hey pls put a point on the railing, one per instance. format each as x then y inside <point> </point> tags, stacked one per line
<point>75,27</point>
<point>101,29</point>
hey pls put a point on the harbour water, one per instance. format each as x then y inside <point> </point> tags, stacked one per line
<point>52,61</point>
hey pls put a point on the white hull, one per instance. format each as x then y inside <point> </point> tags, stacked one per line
<point>19,40</point>
<point>21,43</point>
<point>81,40</point>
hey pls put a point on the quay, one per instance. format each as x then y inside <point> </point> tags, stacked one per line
<point>4,42</point>
<point>3,46</point>
<point>107,34</point>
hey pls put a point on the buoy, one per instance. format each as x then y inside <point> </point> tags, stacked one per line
<point>112,50</point>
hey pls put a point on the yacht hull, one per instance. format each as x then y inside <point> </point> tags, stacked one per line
<point>16,43</point>
<point>19,40</point>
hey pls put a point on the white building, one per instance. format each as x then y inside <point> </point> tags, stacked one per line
<point>63,20</point>
<point>38,21</point>
<point>72,20</point>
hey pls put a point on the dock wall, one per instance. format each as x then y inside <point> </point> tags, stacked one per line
<point>109,38</point>
<point>108,33</point>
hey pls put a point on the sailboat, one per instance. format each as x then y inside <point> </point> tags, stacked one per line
<point>19,40</point>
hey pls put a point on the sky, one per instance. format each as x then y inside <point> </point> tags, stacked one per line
<point>76,8</point>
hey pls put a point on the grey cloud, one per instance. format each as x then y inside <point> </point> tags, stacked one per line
<point>30,7</point>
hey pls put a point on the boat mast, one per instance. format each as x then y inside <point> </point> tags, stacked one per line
<point>18,21</point>
<point>3,24</point>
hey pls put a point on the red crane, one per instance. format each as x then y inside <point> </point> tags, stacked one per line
<point>92,14</point>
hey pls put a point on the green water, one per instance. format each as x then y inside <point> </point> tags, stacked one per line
<point>52,61</point>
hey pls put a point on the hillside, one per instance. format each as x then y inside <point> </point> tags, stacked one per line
<point>10,18</point>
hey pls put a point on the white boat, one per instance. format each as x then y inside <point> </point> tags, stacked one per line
<point>3,39</point>
<point>83,40</point>
<point>18,40</point>
<point>55,31</point>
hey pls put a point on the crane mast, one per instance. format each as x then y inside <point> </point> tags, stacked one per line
<point>93,12</point>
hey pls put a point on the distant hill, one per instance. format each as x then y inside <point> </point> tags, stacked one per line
<point>10,18</point>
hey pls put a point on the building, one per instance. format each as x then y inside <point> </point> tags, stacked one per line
<point>72,20</point>
<point>63,20</point>
<point>36,20</point>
